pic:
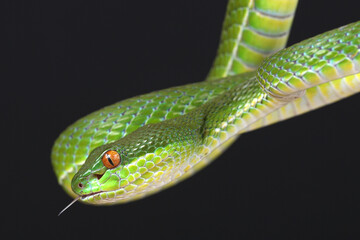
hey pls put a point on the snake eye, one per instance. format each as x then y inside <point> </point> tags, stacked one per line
<point>111,159</point>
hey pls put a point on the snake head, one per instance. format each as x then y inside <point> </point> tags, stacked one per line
<point>148,159</point>
<point>90,179</point>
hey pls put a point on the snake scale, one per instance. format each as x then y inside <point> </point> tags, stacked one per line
<point>144,144</point>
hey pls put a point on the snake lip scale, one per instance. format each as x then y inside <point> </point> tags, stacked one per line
<point>82,197</point>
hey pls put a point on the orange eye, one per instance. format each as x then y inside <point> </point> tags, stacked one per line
<point>111,159</point>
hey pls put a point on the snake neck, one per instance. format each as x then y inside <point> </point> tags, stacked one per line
<point>225,116</point>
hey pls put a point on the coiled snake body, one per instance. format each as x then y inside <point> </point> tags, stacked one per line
<point>144,144</point>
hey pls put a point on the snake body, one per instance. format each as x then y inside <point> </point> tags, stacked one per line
<point>164,137</point>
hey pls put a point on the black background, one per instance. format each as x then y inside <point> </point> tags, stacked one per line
<point>295,180</point>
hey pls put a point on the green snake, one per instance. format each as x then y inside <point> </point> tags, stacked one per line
<point>144,144</point>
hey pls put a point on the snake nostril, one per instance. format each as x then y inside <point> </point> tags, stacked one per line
<point>80,185</point>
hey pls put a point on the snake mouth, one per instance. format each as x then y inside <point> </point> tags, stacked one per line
<point>85,196</point>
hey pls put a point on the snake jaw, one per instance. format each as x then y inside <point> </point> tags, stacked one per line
<point>83,197</point>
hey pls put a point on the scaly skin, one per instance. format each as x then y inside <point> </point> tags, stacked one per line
<point>164,137</point>
<point>252,30</point>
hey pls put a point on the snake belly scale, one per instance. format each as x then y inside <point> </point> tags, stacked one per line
<point>163,137</point>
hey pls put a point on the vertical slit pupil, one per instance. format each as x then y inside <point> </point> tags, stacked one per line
<point>109,159</point>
